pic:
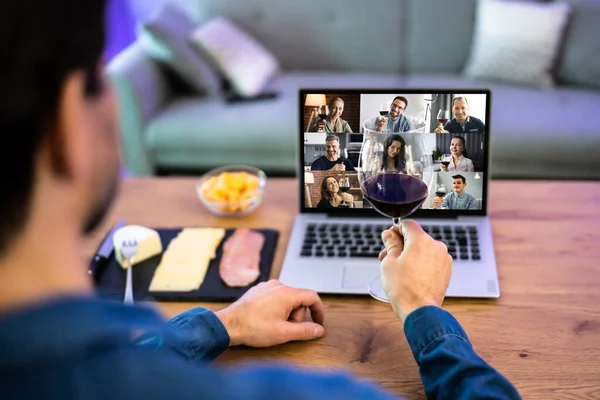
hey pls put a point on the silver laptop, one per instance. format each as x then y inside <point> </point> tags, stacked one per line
<point>333,248</point>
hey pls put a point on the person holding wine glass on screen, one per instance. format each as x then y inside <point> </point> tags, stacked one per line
<point>462,121</point>
<point>330,118</point>
<point>332,195</point>
<point>457,161</point>
<point>331,161</point>
<point>395,120</point>
<point>458,199</point>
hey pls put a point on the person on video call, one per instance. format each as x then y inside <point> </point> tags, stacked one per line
<point>334,122</point>
<point>462,121</point>
<point>58,340</point>
<point>458,199</point>
<point>394,152</point>
<point>396,121</point>
<point>458,157</point>
<point>331,161</point>
<point>332,196</point>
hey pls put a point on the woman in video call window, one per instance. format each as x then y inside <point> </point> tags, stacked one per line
<point>394,152</point>
<point>334,123</point>
<point>332,197</point>
<point>458,159</point>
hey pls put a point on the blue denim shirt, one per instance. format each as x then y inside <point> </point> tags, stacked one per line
<point>85,348</point>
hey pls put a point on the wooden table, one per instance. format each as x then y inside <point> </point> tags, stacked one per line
<point>543,333</point>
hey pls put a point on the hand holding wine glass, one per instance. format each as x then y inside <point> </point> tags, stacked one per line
<point>344,188</point>
<point>442,118</point>
<point>440,192</point>
<point>446,159</point>
<point>323,112</point>
<point>384,110</point>
<point>394,194</point>
<point>415,268</point>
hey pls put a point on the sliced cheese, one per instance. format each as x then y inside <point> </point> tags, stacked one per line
<point>148,243</point>
<point>185,262</point>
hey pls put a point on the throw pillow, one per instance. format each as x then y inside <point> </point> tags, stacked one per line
<point>517,42</point>
<point>244,62</point>
<point>165,38</point>
<point>580,61</point>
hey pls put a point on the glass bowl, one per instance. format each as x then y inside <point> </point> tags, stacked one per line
<point>233,190</point>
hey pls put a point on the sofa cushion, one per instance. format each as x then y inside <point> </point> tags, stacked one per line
<point>242,60</point>
<point>517,41</point>
<point>431,48</point>
<point>580,60</point>
<point>165,38</point>
<point>536,133</point>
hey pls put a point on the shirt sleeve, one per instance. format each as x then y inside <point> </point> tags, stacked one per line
<point>446,202</point>
<point>472,203</point>
<point>449,367</point>
<point>197,334</point>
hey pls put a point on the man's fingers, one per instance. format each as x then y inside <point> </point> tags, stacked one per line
<point>410,231</point>
<point>298,314</point>
<point>302,331</point>
<point>393,242</point>
<point>309,298</point>
<point>382,254</point>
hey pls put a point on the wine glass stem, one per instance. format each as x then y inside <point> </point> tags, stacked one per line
<point>396,222</point>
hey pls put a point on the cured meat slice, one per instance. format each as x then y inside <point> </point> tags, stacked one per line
<point>240,262</point>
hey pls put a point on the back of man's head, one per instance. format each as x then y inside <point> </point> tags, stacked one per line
<point>41,43</point>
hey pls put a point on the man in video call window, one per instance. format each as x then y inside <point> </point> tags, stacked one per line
<point>462,121</point>
<point>331,160</point>
<point>396,121</point>
<point>457,199</point>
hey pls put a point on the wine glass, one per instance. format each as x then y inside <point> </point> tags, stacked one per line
<point>323,112</point>
<point>398,192</point>
<point>446,159</point>
<point>344,188</point>
<point>442,117</point>
<point>384,110</point>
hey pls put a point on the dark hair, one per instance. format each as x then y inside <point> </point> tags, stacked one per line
<point>402,98</point>
<point>460,98</point>
<point>324,193</point>
<point>399,161</point>
<point>331,138</point>
<point>464,180</point>
<point>464,143</point>
<point>42,42</point>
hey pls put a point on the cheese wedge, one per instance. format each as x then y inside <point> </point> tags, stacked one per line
<point>148,243</point>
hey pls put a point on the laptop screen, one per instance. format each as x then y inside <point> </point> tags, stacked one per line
<point>439,136</point>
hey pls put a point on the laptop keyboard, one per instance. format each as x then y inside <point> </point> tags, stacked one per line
<point>354,240</point>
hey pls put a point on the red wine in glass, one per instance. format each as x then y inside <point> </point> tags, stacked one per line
<point>345,189</point>
<point>440,194</point>
<point>384,113</point>
<point>322,116</point>
<point>445,163</point>
<point>443,120</point>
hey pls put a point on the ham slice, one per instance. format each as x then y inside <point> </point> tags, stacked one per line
<point>239,265</point>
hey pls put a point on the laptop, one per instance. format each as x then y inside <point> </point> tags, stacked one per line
<point>333,248</point>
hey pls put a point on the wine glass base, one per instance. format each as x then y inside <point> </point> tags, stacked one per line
<point>376,290</point>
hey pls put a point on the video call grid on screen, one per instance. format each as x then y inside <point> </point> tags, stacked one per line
<point>467,113</point>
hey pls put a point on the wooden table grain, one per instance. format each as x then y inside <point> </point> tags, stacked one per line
<point>543,333</point>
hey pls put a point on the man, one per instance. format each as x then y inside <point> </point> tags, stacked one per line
<point>462,121</point>
<point>396,121</point>
<point>458,199</point>
<point>58,342</point>
<point>331,161</point>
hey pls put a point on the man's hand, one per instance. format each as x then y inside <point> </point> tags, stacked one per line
<point>440,129</point>
<point>338,167</point>
<point>381,123</point>
<point>271,313</point>
<point>415,269</point>
<point>437,201</point>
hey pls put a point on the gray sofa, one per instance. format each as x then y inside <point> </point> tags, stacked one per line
<point>535,133</point>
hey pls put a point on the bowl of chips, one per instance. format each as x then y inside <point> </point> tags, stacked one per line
<point>233,190</point>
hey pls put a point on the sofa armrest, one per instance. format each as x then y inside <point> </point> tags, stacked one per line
<point>142,89</point>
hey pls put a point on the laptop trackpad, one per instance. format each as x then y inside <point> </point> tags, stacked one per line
<point>359,274</point>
